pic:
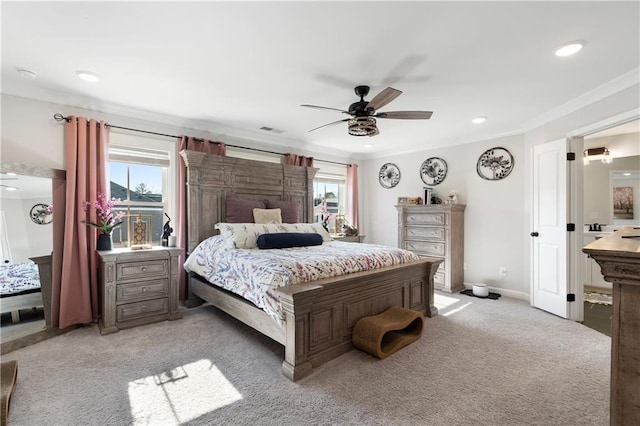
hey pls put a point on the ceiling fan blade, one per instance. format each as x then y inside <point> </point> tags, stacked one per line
<point>330,124</point>
<point>383,98</point>
<point>321,107</point>
<point>405,115</point>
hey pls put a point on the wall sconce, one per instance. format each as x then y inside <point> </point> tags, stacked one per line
<point>602,154</point>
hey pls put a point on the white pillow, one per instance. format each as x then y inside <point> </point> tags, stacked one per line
<point>245,235</point>
<point>308,228</point>
<point>267,215</point>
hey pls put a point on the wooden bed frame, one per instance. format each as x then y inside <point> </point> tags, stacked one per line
<point>320,315</point>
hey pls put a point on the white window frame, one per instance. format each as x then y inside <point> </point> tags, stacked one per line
<point>149,150</point>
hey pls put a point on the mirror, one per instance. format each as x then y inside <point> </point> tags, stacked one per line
<point>26,248</point>
<point>603,182</point>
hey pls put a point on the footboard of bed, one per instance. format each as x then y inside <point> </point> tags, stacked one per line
<point>320,316</point>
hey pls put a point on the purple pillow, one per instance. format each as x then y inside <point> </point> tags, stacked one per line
<point>240,210</point>
<point>290,210</point>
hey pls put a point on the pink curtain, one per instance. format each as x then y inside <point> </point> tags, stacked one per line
<point>75,273</point>
<point>192,144</point>
<point>298,160</point>
<point>352,195</point>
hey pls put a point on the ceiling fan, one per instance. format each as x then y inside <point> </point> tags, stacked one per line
<point>364,113</point>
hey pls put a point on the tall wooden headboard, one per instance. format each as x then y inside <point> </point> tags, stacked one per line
<point>210,178</point>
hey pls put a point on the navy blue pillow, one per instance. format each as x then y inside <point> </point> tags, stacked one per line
<point>288,239</point>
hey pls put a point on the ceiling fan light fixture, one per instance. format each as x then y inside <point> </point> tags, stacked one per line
<point>362,126</point>
<point>569,48</point>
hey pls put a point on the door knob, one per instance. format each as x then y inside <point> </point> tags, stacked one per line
<point>534,234</point>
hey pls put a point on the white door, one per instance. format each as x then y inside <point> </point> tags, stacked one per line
<point>549,237</point>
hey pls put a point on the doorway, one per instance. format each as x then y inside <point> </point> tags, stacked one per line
<point>601,180</point>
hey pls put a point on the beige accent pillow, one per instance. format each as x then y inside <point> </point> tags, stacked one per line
<point>267,216</point>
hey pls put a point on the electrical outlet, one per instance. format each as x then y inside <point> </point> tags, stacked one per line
<point>503,271</point>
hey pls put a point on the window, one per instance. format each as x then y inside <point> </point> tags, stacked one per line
<point>330,185</point>
<point>142,175</point>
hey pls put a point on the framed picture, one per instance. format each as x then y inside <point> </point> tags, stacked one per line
<point>389,175</point>
<point>623,202</point>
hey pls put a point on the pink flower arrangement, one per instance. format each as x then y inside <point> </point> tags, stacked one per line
<point>107,221</point>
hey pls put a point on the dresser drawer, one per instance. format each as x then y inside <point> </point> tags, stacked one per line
<point>432,218</point>
<point>146,269</point>
<point>142,290</point>
<point>426,248</point>
<point>425,233</point>
<point>131,311</point>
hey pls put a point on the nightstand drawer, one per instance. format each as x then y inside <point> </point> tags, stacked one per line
<point>425,233</point>
<point>146,269</point>
<point>142,290</point>
<point>426,248</point>
<point>436,218</point>
<point>131,311</point>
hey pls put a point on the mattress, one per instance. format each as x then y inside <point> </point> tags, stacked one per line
<point>256,274</point>
<point>19,278</point>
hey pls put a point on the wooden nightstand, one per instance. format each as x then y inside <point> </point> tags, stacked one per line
<point>348,238</point>
<point>138,287</point>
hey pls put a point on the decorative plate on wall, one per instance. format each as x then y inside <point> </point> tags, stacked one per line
<point>41,214</point>
<point>389,175</point>
<point>433,170</point>
<point>495,164</point>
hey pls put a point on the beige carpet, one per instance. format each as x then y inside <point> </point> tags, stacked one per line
<point>481,362</point>
<point>8,375</point>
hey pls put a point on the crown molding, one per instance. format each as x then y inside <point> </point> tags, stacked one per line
<point>616,85</point>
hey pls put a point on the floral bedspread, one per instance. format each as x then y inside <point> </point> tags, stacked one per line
<point>17,278</point>
<point>255,274</point>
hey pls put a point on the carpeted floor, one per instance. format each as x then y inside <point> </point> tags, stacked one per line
<point>481,362</point>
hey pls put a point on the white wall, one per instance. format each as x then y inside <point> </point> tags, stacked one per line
<point>493,215</point>
<point>26,238</point>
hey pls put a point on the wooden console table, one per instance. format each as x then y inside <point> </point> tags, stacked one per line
<point>619,258</point>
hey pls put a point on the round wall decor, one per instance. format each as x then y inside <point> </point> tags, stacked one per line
<point>389,175</point>
<point>495,164</point>
<point>41,214</point>
<point>433,170</point>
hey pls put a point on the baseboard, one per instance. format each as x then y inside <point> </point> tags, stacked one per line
<point>504,292</point>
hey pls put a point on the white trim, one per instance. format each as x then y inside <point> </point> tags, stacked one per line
<point>614,86</point>
<point>605,124</point>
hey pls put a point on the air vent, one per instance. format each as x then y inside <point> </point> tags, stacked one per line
<point>271,129</point>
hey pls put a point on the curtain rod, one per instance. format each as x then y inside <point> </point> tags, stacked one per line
<point>59,117</point>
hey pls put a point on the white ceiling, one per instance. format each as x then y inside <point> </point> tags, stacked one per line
<point>234,67</point>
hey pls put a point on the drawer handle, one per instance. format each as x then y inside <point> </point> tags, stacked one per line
<point>144,309</point>
<point>144,289</point>
<point>144,268</point>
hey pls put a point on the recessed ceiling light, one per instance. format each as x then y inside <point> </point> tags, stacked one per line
<point>627,174</point>
<point>570,48</point>
<point>27,74</point>
<point>9,188</point>
<point>479,120</point>
<point>368,145</point>
<point>88,76</point>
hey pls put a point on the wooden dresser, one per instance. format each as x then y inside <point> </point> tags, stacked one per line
<point>436,231</point>
<point>619,258</point>
<point>138,287</point>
